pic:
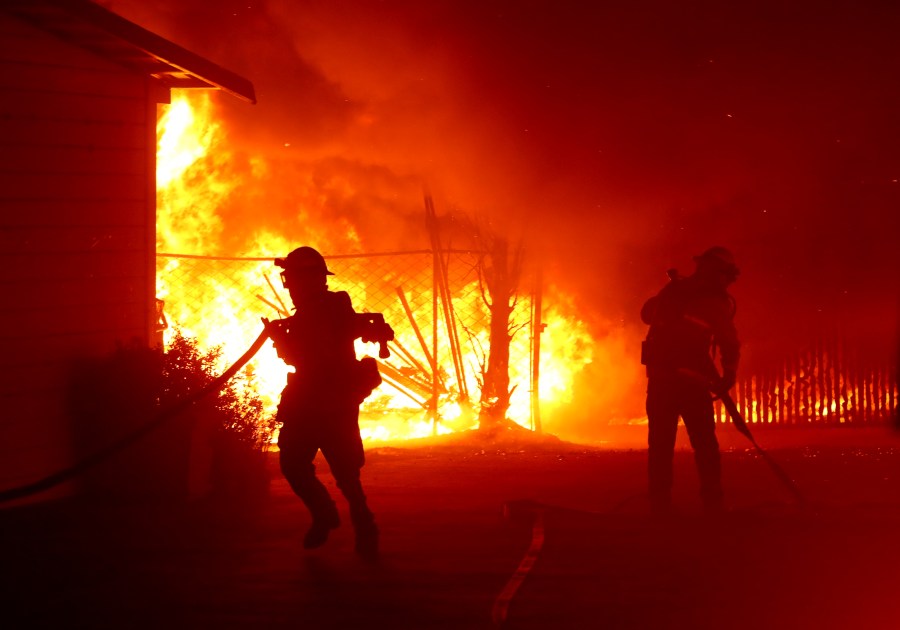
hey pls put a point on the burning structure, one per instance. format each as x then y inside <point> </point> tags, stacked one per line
<point>442,301</point>
<point>223,213</point>
<point>612,173</point>
<point>437,299</point>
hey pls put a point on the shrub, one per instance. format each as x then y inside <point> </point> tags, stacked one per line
<point>114,397</point>
<point>240,428</point>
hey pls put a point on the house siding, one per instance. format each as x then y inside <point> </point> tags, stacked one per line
<point>77,232</point>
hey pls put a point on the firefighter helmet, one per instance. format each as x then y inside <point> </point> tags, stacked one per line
<point>304,259</point>
<point>718,258</point>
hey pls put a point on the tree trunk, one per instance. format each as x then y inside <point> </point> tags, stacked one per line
<point>495,393</point>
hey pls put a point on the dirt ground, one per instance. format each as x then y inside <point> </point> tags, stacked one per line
<point>519,532</point>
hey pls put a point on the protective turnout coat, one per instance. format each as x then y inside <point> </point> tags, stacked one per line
<point>688,320</point>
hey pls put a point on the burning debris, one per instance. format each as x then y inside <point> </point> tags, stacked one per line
<point>215,276</point>
<point>436,381</point>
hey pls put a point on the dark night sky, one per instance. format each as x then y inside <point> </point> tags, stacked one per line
<point>620,138</point>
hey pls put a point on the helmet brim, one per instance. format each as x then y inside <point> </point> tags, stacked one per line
<point>284,264</point>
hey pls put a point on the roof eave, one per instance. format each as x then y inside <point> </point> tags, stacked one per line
<point>97,29</point>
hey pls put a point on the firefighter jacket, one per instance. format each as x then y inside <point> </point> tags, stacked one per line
<point>688,320</point>
<point>318,341</point>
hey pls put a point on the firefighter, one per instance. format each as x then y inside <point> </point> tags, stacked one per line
<point>690,319</point>
<point>319,407</point>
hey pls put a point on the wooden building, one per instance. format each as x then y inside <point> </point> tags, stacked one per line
<point>79,89</point>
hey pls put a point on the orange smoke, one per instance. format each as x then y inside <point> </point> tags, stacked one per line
<point>200,180</point>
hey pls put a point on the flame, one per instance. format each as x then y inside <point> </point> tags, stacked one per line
<point>195,176</point>
<point>178,145</point>
<point>817,388</point>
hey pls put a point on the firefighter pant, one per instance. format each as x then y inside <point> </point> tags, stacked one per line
<point>334,430</point>
<point>667,400</point>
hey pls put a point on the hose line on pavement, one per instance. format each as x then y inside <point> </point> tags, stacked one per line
<point>160,418</point>
<point>516,510</point>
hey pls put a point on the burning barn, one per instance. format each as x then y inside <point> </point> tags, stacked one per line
<point>81,87</point>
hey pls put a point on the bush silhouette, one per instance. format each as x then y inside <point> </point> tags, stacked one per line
<point>112,397</point>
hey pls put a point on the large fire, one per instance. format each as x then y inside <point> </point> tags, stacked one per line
<point>194,178</point>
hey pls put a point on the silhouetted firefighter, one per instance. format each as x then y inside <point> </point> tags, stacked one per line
<point>319,407</point>
<point>689,319</point>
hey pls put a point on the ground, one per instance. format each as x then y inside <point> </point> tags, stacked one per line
<point>458,519</point>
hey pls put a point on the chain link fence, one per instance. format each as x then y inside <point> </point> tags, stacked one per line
<point>433,378</point>
<point>221,301</point>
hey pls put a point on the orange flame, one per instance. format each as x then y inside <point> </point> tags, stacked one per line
<point>193,180</point>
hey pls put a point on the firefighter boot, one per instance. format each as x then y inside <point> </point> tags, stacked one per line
<point>366,532</point>
<point>324,520</point>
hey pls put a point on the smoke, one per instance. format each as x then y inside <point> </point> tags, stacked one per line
<point>619,141</point>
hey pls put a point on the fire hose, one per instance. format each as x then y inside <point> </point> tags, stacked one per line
<point>520,510</point>
<point>158,420</point>
<point>740,423</point>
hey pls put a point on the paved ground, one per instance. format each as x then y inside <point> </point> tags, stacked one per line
<point>600,560</point>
